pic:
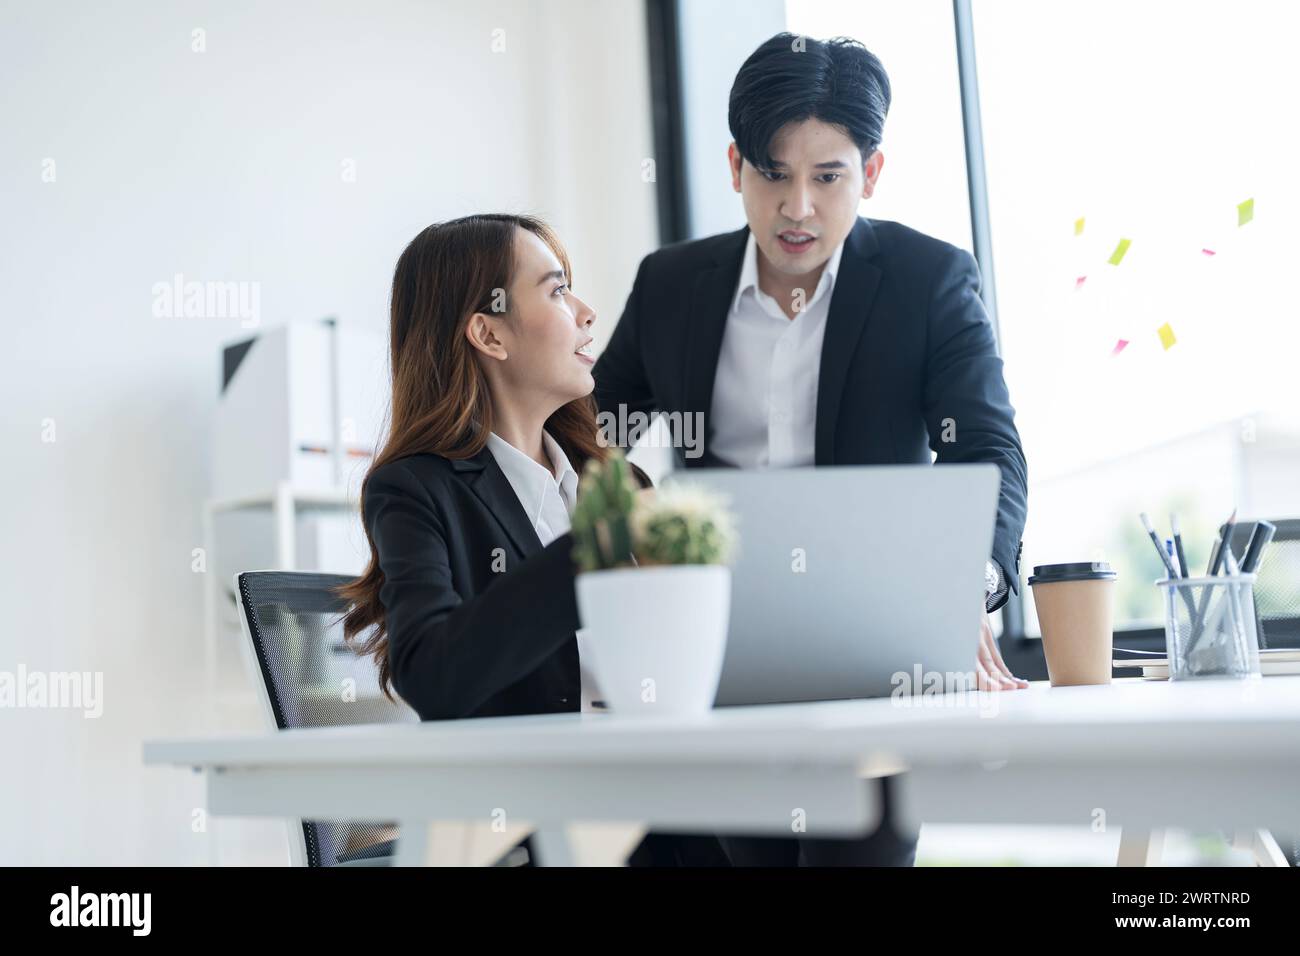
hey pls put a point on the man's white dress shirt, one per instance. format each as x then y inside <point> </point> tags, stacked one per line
<point>547,497</point>
<point>764,409</point>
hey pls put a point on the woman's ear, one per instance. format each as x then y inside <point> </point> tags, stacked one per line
<point>480,331</point>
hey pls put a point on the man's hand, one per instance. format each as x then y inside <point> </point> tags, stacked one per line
<point>991,672</point>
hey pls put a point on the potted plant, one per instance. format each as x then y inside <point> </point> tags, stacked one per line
<point>654,590</point>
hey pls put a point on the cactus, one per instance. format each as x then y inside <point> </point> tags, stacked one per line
<point>612,528</point>
<point>683,525</point>
<point>601,522</point>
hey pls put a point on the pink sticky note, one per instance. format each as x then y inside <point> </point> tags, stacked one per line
<point>1208,252</point>
<point>1078,283</point>
<point>1119,346</point>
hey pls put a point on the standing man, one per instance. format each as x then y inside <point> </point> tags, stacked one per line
<point>814,337</point>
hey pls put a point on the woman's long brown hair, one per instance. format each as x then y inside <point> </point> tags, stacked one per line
<point>441,404</point>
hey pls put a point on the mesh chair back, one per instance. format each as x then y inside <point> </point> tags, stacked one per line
<point>1277,584</point>
<point>312,679</point>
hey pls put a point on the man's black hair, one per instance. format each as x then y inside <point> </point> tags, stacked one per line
<point>790,78</point>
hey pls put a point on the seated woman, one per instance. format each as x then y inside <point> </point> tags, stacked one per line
<point>470,584</point>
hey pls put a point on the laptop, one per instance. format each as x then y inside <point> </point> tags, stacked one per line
<point>845,578</point>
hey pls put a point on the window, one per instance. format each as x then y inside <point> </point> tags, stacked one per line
<point>1167,381</point>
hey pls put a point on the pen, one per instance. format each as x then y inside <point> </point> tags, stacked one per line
<point>1237,613</point>
<point>1178,544</point>
<point>1260,536</point>
<point>1216,561</point>
<point>1169,565</point>
<point>1173,558</point>
<point>1230,565</point>
<point>1151,533</point>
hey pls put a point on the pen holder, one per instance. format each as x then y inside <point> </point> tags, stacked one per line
<point>1210,627</point>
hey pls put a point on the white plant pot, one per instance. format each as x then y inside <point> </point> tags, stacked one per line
<point>654,638</point>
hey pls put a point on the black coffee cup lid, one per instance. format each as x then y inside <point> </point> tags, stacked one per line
<point>1077,571</point>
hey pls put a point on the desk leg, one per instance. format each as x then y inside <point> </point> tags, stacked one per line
<point>1140,847</point>
<point>1262,845</point>
<point>415,843</point>
<point>586,844</point>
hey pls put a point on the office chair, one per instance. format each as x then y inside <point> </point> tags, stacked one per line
<point>1277,595</point>
<point>293,624</point>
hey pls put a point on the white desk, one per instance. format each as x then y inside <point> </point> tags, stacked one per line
<point>1134,754</point>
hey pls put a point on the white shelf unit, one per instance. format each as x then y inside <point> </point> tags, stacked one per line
<point>285,503</point>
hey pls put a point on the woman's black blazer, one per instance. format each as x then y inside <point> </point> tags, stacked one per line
<point>481,617</point>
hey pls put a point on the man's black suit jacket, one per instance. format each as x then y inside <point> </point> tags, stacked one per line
<point>909,354</point>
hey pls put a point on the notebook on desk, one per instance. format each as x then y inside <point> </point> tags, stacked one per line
<point>1283,660</point>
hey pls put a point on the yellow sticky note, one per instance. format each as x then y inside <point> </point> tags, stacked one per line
<point>1245,212</point>
<point>1078,226</point>
<point>1166,334</point>
<point>1117,256</point>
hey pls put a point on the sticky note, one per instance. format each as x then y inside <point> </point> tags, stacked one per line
<point>1078,226</point>
<point>1078,283</point>
<point>1245,212</point>
<point>1166,334</point>
<point>1119,346</point>
<point>1117,256</point>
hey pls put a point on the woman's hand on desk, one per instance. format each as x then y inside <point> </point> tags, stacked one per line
<point>991,672</point>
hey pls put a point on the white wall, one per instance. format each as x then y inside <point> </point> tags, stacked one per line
<point>227,165</point>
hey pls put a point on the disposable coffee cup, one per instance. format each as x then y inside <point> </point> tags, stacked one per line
<point>1076,606</point>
